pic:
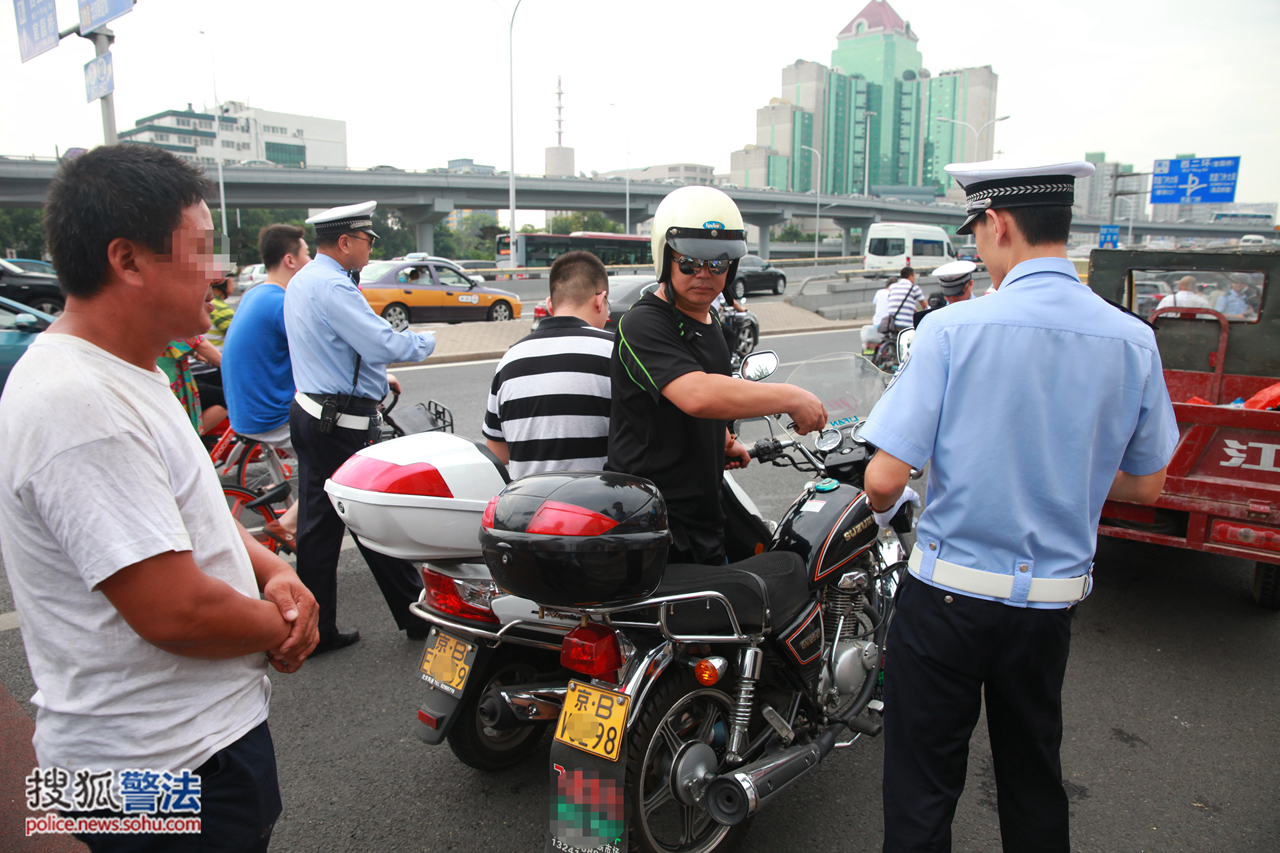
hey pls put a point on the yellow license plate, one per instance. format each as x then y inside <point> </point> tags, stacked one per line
<point>447,661</point>
<point>593,720</point>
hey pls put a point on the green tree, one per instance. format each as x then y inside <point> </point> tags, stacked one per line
<point>589,220</point>
<point>22,231</point>
<point>243,225</point>
<point>474,236</point>
<point>789,233</point>
<point>528,228</point>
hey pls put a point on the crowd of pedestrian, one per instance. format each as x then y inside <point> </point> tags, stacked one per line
<point>150,616</point>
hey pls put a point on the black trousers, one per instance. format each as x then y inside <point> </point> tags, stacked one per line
<point>940,658</point>
<point>239,805</point>
<point>320,529</point>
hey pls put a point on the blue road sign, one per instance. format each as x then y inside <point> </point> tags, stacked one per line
<point>99,78</point>
<point>1203,180</point>
<point>1108,236</point>
<point>37,27</point>
<point>95,13</point>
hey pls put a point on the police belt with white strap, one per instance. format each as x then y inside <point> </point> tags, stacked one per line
<point>976,582</point>
<point>311,407</point>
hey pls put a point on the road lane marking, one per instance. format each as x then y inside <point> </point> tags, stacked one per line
<point>8,621</point>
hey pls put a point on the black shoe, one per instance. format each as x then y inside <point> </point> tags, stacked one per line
<point>340,640</point>
<point>418,633</point>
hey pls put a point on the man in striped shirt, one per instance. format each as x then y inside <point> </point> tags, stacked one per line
<point>905,298</point>
<point>549,403</point>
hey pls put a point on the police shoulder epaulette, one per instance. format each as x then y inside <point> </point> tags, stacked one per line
<point>1145,322</point>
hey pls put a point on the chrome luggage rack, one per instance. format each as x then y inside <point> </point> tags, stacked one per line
<point>507,633</point>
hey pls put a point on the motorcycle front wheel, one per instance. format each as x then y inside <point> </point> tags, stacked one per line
<point>484,748</point>
<point>678,711</point>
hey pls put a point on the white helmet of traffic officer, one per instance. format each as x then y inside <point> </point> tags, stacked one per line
<point>697,222</point>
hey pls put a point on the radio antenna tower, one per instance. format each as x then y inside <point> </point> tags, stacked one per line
<point>559,114</point>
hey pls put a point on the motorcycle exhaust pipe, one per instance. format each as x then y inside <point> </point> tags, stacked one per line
<point>736,796</point>
<point>505,708</point>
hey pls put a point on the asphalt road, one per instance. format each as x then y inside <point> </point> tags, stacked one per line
<point>1172,738</point>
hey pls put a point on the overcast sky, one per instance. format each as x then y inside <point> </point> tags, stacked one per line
<point>420,82</point>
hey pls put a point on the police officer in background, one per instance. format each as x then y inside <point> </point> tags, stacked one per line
<point>340,350</point>
<point>1018,474</point>
<point>956,283</point>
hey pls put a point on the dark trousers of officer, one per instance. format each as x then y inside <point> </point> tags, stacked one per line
<point>320,529</point>
<point>940,658</point>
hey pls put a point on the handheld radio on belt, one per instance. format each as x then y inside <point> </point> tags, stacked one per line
<point>330,410</point>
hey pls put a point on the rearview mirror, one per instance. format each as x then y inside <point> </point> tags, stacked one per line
<point>760,365</point>
<point>905,337</point>
<point>29,323</point>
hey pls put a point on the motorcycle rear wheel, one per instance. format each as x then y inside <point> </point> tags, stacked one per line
<point>481,747</point>
<point>677,711</point>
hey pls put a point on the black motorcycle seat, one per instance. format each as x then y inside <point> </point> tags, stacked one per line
<point>775,581</point>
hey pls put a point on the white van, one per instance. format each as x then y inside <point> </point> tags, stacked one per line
<point>894,245</point>
<point>1253,240</point>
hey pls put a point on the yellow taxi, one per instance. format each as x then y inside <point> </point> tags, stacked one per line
<point>432,290</point>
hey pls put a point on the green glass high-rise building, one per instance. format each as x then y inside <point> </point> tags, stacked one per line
<point>872,115</point>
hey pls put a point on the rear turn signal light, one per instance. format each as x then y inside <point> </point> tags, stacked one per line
<point>708,671</point>
<point>486,520</point>
<point>557,519</point>
<point>378,475</point>
<point>592,650</point>
<point>456,598</point>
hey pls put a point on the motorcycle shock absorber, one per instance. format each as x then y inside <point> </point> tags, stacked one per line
<point>749,668</point>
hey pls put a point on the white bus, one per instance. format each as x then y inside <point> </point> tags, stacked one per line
<point>894,245</point>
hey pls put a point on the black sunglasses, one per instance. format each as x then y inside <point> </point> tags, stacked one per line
<point>690,266</point>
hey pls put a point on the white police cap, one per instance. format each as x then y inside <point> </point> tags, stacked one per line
<point>340,220</point>
<point>954,276</point>
<point>992,184</point>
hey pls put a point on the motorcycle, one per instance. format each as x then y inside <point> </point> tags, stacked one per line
<point>742,333</point>
<point>707,691</point>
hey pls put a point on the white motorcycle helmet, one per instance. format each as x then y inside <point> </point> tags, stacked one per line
<point>698,222</point>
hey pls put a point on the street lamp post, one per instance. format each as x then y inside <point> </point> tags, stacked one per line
<point>1129,206</point>
<point>217,138</point>
<point>977,134</point>
<point>817,202</point>
<point>866,154</point>
<point>511,118</point>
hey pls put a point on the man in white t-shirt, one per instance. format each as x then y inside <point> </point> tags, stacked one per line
<point>1186,297</point>
<point>880,305</point>
<point>148,614</point>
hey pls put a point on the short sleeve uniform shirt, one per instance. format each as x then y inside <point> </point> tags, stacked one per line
<point>1025,404</point>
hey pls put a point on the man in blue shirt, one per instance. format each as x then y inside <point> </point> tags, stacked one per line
<point>340,350</point>
<point>1234,303</point>
<point>257,376</point>
<point>1032,408</point>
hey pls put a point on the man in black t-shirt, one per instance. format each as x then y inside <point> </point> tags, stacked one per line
<point>672,389</point>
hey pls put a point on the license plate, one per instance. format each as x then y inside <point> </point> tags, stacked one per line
<point>447,661</point>
<point>593,720</point>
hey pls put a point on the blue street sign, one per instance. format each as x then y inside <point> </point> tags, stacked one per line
<point>37,27</point>
<point>99,78</point>
<point>1203,180</point>
<point>95,13</point>
<point>1108,236</point>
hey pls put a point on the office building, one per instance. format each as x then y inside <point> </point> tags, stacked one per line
<point>247,133</point>
<point>682,173</point>
<point>1093,194</point>
<point>875,117</point>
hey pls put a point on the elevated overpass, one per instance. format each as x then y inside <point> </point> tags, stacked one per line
<point>424,198</point>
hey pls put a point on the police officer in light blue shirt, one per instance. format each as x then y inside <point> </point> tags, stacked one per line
<point>340,350</point>
<point>1234,303</point>
<point>1032,409</point>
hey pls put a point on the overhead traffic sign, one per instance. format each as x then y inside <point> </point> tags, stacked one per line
<point>1199,180</point>
<point>96,13</point>
<point>1108,236</point>
<point>99,77</point>
<point>37,27</point>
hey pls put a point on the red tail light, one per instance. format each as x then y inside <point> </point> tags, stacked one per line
<point>377,475</point>
<point>486,520</point>
<point>428,719</point>
<point>444,596</point>
<point>559,519</point>
<point>592,650</point>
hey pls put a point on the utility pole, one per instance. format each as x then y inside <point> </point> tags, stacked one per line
<point>1116,175</point>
